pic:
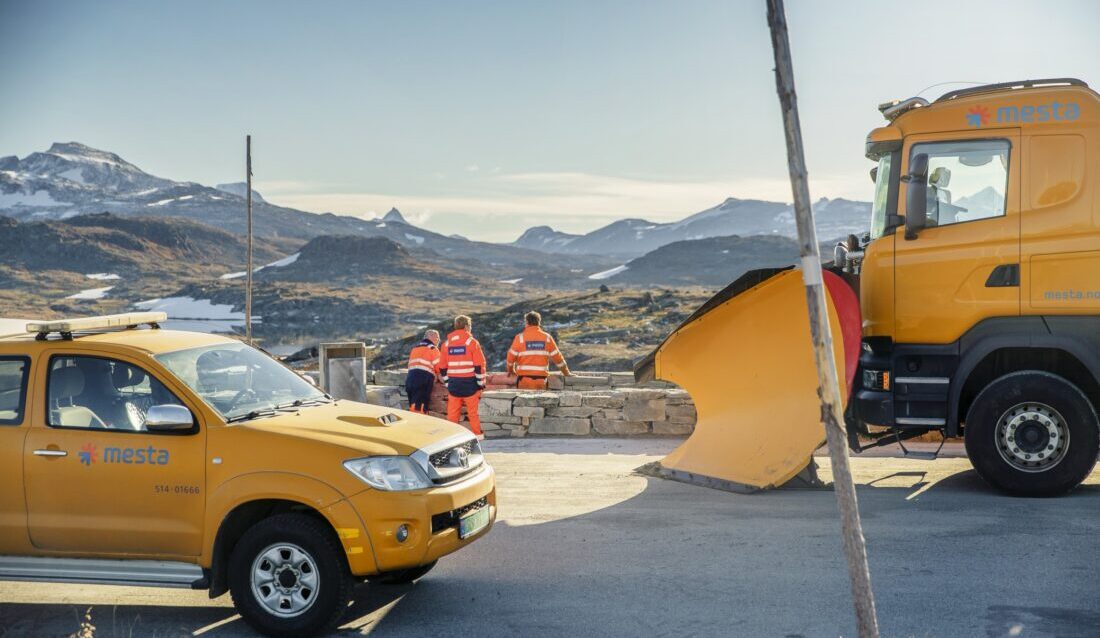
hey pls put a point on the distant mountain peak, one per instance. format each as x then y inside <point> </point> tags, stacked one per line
<point>239,189</point>
<point>395,216</point>
<point>75,151</point>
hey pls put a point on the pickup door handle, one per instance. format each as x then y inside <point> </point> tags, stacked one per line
<point>50,453</point>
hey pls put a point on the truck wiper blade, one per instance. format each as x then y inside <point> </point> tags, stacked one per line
<point>313,401</point>
<point>254,414</point>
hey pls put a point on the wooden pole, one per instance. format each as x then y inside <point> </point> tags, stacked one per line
<point>829,390</point>
<point>248,272</point>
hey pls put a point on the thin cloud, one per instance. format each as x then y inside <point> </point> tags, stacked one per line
<point>569,201</point>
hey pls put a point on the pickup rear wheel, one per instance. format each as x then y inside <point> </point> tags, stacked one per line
<point>1032,433</point>
<point>289,577</point>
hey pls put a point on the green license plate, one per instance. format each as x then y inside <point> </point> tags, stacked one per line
<point>473,522</point>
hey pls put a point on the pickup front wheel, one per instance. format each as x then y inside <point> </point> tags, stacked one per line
<point>1032,433</point>
<point>289,577</point>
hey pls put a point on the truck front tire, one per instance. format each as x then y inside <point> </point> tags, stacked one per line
<point>289,577</point>
<point>1032,433</point>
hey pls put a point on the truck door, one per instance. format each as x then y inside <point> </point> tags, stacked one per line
<point>14,373</point>
<point>97,481</point>
<point>964,266</point>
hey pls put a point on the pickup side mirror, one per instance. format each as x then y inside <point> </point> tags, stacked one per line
<point>169,418</point>
<point>916,196</point>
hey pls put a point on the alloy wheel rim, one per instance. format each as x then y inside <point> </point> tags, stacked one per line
<point>1032,437</point>
<point>284,580</point>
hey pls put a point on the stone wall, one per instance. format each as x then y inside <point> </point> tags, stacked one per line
<point>586,404</point>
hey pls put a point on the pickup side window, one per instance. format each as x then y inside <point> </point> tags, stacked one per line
<point>13,389</point>
<point>100,393</point>
<point>967,180</point>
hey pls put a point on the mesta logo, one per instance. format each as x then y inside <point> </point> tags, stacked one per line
<point>87,454</point>
<point>978,116</point>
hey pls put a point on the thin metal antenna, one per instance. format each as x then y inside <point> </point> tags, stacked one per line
<point>248,276</point>
<point>829,390</point>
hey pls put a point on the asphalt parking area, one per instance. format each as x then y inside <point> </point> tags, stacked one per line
<point>586,547</point>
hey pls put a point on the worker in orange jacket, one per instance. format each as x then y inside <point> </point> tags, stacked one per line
<point>462,366</point>
<point>531,353</point>
<point>423,363</point>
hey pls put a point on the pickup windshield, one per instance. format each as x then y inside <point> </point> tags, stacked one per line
<point>239,381</point>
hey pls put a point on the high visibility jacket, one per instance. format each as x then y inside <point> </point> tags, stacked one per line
<point>462,363</point>
<point>531,353</point>
<point>425,357</point>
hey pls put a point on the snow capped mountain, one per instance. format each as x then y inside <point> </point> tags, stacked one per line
<point>744,217</point>
<point>239,189</point>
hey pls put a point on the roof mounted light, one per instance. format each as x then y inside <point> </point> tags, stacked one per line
<point>891,110</point>
<point>66,327</point>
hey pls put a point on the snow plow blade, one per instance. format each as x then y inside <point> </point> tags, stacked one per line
<point>746,358</point>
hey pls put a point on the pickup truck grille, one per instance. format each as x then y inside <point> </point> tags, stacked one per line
<point>443,458</point>
<point>449,519</point>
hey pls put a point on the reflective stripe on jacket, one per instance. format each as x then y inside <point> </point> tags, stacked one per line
<point>531,353</point>
<point>461,357</point>
<point>424,356</point>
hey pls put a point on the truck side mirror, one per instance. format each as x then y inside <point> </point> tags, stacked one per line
<point>916,196</point>
<point>169,418</point>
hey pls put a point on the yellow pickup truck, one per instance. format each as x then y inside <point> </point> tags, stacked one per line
<point>134,455</point>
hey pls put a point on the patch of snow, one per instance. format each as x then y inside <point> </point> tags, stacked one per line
<point>511,281</point>
<point>162,202</point>
<point>102,276</point>
<point>73,175</point>
<point>91,293</point>
<point>186,197</point>
<point>234,275</point>
<point>725,252</point>
<point>190,308</point>
<point>37,198</point>
<point>380,225</point>
<point>216,197</point>
<point>416,238</point>
<point>608,273</point>
<point>285,261</point>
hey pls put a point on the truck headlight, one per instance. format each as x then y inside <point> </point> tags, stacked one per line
<point>390,473</point>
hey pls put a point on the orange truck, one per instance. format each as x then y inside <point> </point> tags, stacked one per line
<point>142,456</point>
<point>978,310</point>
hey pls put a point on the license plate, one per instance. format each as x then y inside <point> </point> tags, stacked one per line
<point>473,522</point>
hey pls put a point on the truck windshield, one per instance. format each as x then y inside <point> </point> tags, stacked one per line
<point>882,196</point>
<point>239,381</point>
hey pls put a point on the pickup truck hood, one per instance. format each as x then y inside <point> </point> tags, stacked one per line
<point>360,427</point>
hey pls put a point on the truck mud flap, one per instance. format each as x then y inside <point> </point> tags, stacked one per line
<point>746,359</point>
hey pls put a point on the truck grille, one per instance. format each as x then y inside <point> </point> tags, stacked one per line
<point>443,458</point>
<point>449,519</point>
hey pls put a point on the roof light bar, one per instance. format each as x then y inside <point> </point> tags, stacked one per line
<point>104,322</point>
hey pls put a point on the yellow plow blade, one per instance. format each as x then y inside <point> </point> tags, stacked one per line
<point>746,359</point>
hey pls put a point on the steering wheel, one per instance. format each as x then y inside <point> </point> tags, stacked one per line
<point>240,396</point>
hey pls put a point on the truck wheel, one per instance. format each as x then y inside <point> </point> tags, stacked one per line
<point>1032,433</point>
<point>401,576</point>
<point>289,577</point>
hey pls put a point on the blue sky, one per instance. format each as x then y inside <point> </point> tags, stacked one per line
<point>484,118</point>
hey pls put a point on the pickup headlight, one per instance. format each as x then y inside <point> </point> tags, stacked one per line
<point>390,473</point>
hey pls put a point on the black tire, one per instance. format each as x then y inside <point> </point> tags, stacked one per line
<point>1035,402</point>
<point>401,576</point>
<point>334,583</point>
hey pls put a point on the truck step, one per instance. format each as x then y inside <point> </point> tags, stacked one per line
<point>144,573</point>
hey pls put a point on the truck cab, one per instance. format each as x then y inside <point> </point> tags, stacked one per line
<point>980,284</point>
<point>140,456</point>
